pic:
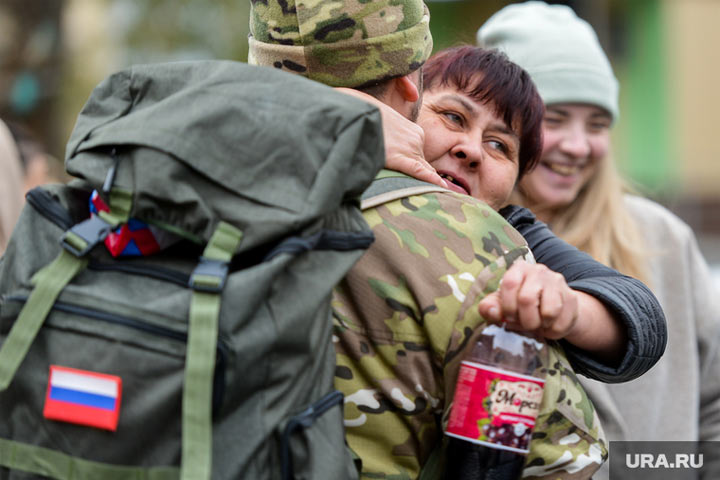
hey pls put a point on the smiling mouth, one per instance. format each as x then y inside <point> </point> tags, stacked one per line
<point>564,170</point>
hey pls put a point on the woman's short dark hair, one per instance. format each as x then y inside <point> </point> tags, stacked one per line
<point>488,76</point>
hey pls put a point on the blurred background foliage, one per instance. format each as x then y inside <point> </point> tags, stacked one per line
<point>53,52</point>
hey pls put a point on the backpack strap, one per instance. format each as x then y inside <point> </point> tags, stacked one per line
<point>120,203</point>
<point>207,281</point>
<point>59,466</point>
<point>390,185</point>
<point>49,282</point>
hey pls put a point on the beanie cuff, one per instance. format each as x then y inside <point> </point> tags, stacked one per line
<point>587,87</point>
<point>351,63</point>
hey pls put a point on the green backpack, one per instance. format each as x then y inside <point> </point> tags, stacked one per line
<point>212,358</point>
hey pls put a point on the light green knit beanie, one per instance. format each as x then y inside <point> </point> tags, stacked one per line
<point>341,43</point>
<point>559,50</point>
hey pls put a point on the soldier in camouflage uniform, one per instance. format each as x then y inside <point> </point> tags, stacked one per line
<point>407,313</point>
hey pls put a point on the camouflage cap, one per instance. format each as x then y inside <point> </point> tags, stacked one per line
<point>348,43</point>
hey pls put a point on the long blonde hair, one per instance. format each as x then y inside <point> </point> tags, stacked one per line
<point>598,223</point>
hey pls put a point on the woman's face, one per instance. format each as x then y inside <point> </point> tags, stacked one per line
<point>576,138</point>
<point>469,145</point>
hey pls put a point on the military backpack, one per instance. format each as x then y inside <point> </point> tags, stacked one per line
<point>213,356</point>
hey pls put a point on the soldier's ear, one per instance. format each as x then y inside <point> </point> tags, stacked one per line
<point>407,88</point>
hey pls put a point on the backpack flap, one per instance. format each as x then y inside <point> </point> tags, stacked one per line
<point>273,141</point>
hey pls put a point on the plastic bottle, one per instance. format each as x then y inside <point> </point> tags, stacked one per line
<point>497,398</point>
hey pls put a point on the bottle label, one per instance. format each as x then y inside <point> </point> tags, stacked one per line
<point>495,407</point>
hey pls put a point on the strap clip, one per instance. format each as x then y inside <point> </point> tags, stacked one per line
<point>83,237</point>
<point>209,276</point>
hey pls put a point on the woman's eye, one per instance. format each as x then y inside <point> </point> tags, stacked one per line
<point>598,126</point>
<point>552,121</point>
<point>500,146</point>
<point>453,117</point>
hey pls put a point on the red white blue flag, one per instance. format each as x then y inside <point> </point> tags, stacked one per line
<point>83,397</point>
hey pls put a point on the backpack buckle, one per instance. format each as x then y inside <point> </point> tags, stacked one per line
<point>209,276</point>
<point>83,237</point>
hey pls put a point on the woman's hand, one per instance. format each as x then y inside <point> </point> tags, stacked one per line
<point>404,141</point>
<point>533,297</point>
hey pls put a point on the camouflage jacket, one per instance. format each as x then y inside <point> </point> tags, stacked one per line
<point>404,318</point>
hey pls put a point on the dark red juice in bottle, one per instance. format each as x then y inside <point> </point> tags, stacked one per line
<point>497,399</point>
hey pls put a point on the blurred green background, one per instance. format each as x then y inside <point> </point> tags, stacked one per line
<point>53,52</point>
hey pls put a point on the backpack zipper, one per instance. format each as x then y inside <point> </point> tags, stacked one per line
<point>222,349</point>
<point>51,209</point>
<point>159,273</point>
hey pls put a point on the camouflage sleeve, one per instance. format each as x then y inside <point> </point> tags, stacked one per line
<point>568,442</point>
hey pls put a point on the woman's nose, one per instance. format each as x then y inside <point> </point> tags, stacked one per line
<point>469,152</point>
<point>575,143</point>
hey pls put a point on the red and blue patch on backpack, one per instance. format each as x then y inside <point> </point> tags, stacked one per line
<point>134,238</point>
<point>82,397</point>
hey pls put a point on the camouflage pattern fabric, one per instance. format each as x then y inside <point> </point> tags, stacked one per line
<point>567,418</point>
<point>340,43</point>
<point>404,318</point>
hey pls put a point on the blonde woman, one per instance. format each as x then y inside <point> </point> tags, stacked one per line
<point>577,191</point>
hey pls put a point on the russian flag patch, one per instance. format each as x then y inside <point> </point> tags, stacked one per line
<point>83,397</point>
